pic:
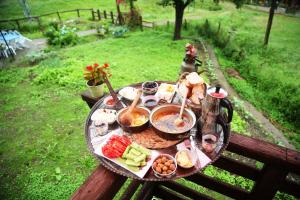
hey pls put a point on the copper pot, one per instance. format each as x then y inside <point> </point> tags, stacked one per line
<point>172,108</point>
<point>131,129</point>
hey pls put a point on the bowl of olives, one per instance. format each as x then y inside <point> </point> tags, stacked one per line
<point>149,87</point>
<point>164,166</point>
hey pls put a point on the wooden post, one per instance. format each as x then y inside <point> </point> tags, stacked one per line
<point>18,24</point>
<point>267,186</point>
<point>78,14</point>
<point>93,14</point>
<point>120,17</point>
<point>99,14</point>
<point>270,21</point>
<point>104,13</point>
<point>59,18</point>
<point>141,23</point>
<point>112,17</point>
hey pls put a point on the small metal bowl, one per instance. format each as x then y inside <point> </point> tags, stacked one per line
<point>132,129</point>
<point>189,154</point>
<point>150,101</point>
<point>161,175</point>
<point>107,99</point>
<point>149,90</point>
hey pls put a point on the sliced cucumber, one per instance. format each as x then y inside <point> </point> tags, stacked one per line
<point>132,163</point>
<point>135,152</point>
<point>135,169</point>
<point>140,158</point>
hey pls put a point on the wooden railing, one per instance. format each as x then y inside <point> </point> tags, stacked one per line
<point>277,161</point>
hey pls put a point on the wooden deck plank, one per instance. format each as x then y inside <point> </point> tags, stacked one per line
<point>101,184</point>
<point>219,186</point>
<point>239,168</point>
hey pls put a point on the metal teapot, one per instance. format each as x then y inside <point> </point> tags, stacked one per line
<point>214,120</point>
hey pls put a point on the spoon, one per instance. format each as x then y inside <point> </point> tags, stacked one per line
<point>126,118</point>
<point>179,121</point>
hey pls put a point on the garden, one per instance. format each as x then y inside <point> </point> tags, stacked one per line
<point>43,150</point>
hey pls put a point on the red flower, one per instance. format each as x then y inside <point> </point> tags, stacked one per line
<point>106,65</point>
<point>96,65</point>
<point>90,68</point>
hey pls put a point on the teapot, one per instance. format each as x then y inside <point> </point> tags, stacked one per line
<point>214,120</point>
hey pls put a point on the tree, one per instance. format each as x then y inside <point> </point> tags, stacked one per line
<point>120,16</point>
<point>274,5</point>
<point>179,6</point>
<point>239,3</point>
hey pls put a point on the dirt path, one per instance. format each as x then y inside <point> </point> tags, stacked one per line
<point>266,124</point>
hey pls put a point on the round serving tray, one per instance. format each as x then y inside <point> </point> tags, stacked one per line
<point>180,172</point>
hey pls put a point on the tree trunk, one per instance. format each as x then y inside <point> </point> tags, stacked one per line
<point>179,10</point>
<point>120,17</point>
<point>131,4</point>
<point>270,21</point>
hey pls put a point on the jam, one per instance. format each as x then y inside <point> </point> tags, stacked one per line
<point>217,95</point>
<point>110,102</point>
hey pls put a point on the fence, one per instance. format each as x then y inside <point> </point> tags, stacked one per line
<point>95,15</point>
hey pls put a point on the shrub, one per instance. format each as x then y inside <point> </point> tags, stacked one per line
<point>215,7</point>
<point>132,19</point>
<point>119,31</point>
<point>30,26</point>
<point>35,57</point>
<point>61,36</point>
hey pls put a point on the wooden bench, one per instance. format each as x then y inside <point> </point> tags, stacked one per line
<point>277,161</point>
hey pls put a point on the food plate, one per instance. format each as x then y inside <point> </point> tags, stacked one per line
<point>107,115</point>
<point>142,171</point>
<point>166,92</point>
<point>128,93</point>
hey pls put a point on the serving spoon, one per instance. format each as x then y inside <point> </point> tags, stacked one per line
<point>126,118</point>
<point>179,121</point>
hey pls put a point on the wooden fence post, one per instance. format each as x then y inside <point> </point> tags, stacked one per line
<point>141,23</point>
<point>267,185</point>
<point>104,13</point>
<point>59,18</point>
<point>18,24</point>
<point>93,14</point>
<point>99,14</point>
<point>112,17</point>
<point>78,14</point>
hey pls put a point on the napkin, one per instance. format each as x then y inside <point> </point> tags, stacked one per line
<point>186,144</point>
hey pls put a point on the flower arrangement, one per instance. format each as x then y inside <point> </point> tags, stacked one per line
<point>96,73</point>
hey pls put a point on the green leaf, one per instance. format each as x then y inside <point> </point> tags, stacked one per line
<point>57,170</point>
<point>58,177</point>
